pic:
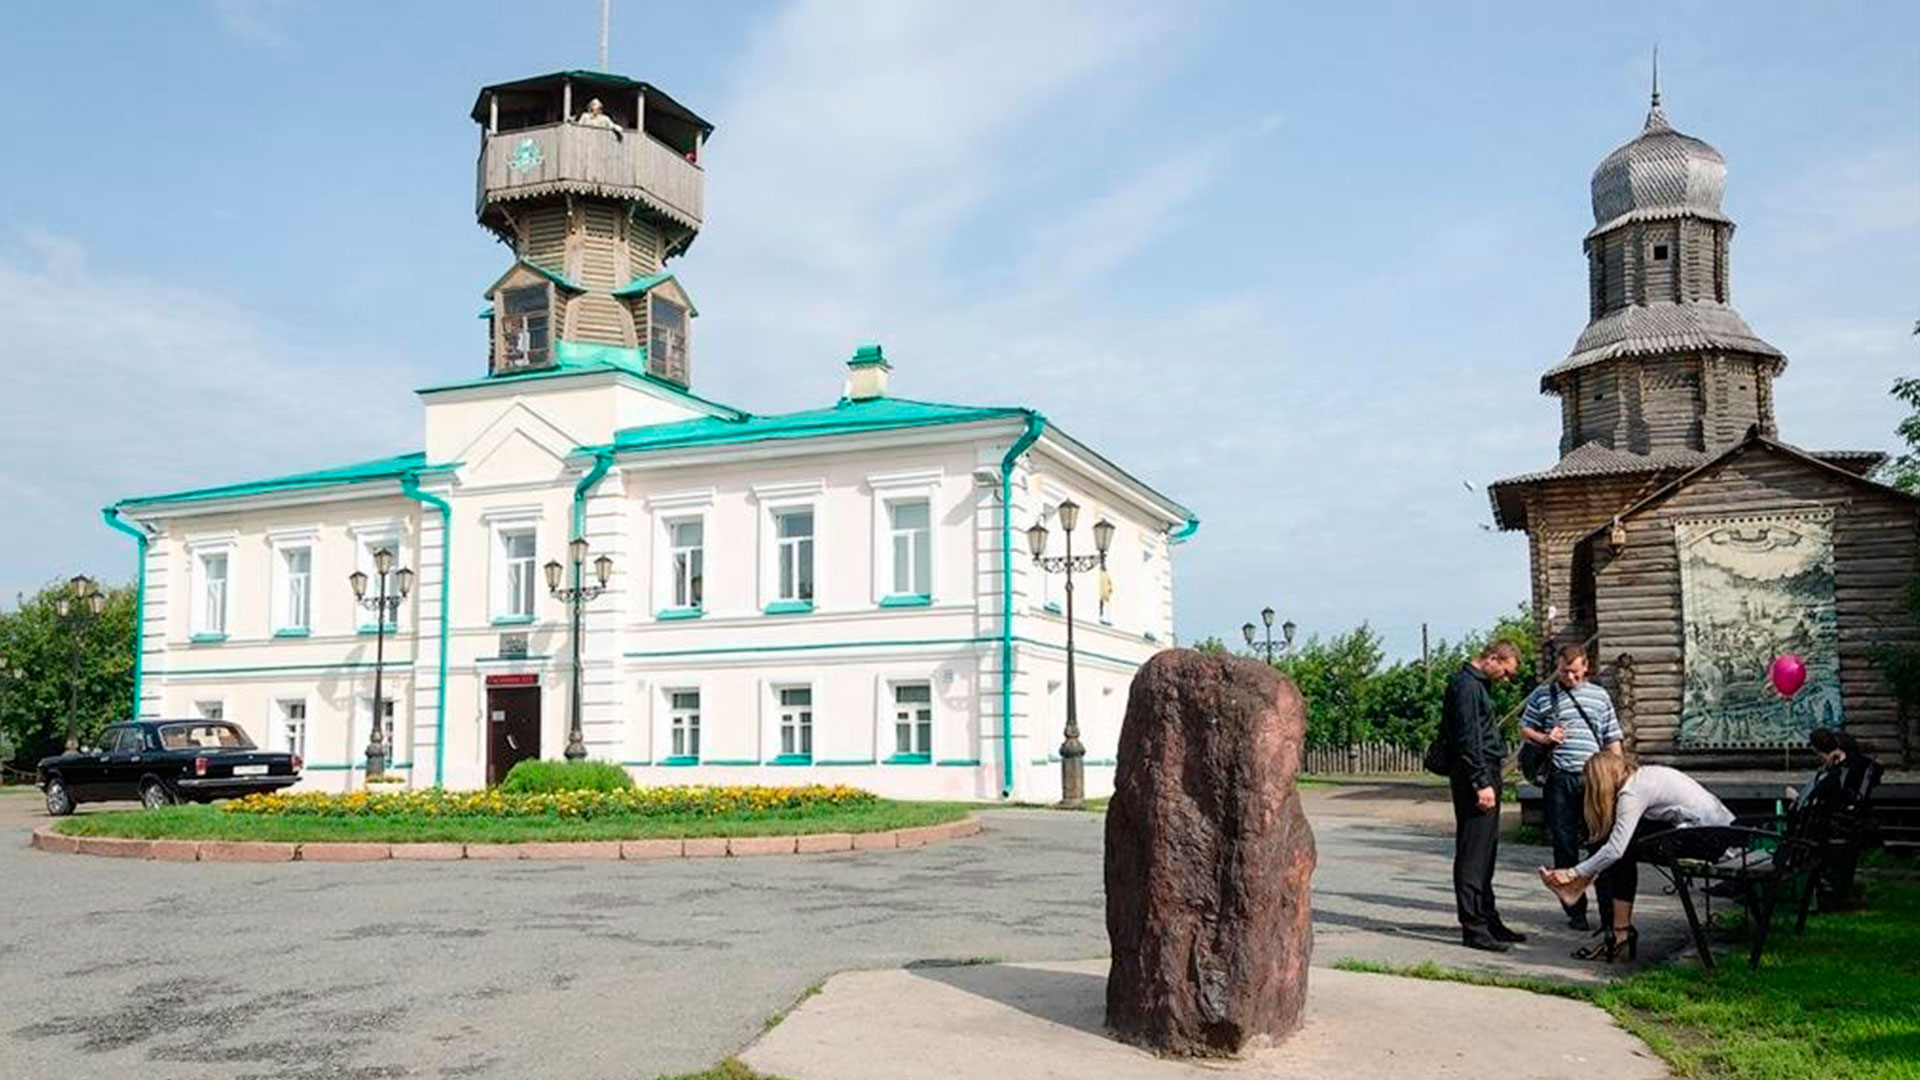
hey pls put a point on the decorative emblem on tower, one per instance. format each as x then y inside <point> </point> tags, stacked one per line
<point>526,156</point>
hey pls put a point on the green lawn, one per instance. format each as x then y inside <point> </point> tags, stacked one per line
<point>730,1069</point>
<point>1841,1002</point>
<point>212,823</point>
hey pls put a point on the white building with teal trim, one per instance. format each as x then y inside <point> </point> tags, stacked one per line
<point>841,594</point>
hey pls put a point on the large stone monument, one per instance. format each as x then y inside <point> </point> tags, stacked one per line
<point>1209,859</point>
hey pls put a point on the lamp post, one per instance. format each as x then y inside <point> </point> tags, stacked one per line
<point>1270,648</point>
<point>79,607</point>
<point>1073,766</point>
<point>575,597</point>
<point>385,605</point>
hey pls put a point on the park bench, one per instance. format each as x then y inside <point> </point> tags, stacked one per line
<point>1813,848</point>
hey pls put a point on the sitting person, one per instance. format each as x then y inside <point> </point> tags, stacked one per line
<point>1626,803</point>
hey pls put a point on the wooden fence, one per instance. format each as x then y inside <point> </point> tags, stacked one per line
<point>1367,759</point>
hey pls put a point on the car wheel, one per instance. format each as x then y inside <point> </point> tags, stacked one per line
<point>154,794</point>
<point>59,802</point>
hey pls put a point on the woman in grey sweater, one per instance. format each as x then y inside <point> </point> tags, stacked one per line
<point>1627,802</point>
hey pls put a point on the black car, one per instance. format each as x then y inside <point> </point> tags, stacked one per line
<point>165,761</point>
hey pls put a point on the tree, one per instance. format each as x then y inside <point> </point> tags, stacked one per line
<point>1903,471</point>
<point>39,651</point>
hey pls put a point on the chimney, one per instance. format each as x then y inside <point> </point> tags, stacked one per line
<point>867,374</point>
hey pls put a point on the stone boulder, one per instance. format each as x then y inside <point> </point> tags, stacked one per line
<point>1209,859</point>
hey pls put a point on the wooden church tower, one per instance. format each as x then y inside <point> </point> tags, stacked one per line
<point>1667,422</point>
<point>594,181</point>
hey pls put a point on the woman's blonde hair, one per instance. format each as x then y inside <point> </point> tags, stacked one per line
<point>1605,775</point>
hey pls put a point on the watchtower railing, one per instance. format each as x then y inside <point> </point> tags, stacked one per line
<point>587,158</point>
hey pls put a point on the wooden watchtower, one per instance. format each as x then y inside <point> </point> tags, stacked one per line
<point>1668,439</point>
<point>594,181</point>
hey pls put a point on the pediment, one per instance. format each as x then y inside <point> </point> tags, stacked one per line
<point>517,446</point>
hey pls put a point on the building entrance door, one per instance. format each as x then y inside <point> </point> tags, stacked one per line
<point>513,729</point>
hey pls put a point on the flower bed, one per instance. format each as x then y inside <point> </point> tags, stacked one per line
<point>435,803</point>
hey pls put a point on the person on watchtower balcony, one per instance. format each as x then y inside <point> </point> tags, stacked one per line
<point>1575,720</point>
<point>596,116</point>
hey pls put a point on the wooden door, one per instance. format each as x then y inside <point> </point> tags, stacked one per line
<point>513,729</point>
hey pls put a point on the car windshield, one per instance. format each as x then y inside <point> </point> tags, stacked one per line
<point>204,736</point>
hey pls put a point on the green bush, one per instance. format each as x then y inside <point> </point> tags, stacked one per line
<point>541,777</point>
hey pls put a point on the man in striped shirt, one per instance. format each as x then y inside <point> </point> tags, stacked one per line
<point>1575,720</point>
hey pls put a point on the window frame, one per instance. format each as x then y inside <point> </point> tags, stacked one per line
<point>200,552</point>
<point>363,732</point>
<point>285,544</point>
<point>689,595</point>
<point>777,501</point>
<point>285,721</point>
<point>686,751</point>
<point>664,366</point>
<point>918,753</point>
<point>500,322</point>
<point>796,716</point>
<point>898,488</point>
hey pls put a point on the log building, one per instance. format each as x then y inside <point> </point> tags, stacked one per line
<point>1677,532</point>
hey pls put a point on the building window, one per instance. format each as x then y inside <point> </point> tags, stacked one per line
<point>793,557</point>
<point>386,728</point>
<point>686,543</point>
<point>1659,253</point>
<point>796,721</point>
<point>683,721</point>
<point>519,578</point>
<point>910,523</point>
<point>667,339</point>
<point>523,327</point>
<point>211,618</point>
<point>912,720</point>
<point>296,589</point>
<point>293,727</point>
<point>211,710</point>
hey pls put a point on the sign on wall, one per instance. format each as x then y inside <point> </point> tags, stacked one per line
<point>1753,588</point>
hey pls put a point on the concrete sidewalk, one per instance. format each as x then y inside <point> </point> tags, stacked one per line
<point>1043,1022</point>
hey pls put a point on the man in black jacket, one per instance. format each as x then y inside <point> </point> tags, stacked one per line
<point>1475,753</point>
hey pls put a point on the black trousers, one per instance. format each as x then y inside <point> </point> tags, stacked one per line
<point>1476,844</point>
<point>1566,823</point>
<point>1621,881</point>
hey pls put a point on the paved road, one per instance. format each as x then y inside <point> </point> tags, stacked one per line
<point>592,970</point>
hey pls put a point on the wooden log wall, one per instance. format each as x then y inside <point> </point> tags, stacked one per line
<point>1876,537</point>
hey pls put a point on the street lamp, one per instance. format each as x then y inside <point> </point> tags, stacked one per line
<point>1268,647</point>
<point>385,605</point>
<point>1073,766</point>
<point>78,607</point>
<point>576,597</point>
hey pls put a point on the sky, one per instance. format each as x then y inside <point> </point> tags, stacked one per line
<point>1299,267</point>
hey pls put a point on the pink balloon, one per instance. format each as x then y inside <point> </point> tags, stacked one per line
<point>1789,674</point>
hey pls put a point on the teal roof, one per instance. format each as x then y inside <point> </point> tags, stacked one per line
<point>583,358</point>
<point>389,468</point>
<point>550,274</point>
<point>845,418</point>
<point>644,283</point>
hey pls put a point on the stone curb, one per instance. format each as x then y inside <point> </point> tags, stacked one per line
<point>695,847</point>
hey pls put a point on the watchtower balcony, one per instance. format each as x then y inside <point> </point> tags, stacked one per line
<point>588,159</point>
<point>590,133</point>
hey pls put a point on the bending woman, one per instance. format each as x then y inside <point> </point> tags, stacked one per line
<point>1627,802</point>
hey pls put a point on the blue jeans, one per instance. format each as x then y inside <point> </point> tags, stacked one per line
<point>1566,823</point>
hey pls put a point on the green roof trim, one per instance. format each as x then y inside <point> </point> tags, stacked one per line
<point>486,312</point>
<point>389,468</point>
<point>586,358</point>
<point>643,284</point>
<point>845,418</point>
<point>554,276</point>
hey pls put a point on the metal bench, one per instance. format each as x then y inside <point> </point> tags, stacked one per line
<point>1756,865</point>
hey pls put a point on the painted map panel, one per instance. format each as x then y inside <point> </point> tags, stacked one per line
<point>1753,588</point>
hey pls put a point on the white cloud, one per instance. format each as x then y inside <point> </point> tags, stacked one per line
<point>259,23</point>
<point>117,385</point>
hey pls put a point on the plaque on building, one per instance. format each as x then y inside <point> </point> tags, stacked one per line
<point>513,646</point>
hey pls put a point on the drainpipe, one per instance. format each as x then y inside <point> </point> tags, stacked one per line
<point>112,517</point>
<point>1181,534</point>
<point>410,487</point>
<point>1035,424</point>
<point>602,461</point>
